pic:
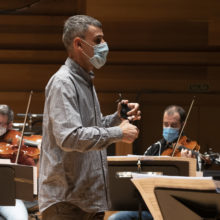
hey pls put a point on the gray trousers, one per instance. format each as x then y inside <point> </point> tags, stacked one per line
<point>67,211</point>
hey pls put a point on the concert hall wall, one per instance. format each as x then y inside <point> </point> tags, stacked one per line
<point>161,53</point>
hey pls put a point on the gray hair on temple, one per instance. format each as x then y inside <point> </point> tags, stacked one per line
<point>76,26</point>
<point>6,110</point>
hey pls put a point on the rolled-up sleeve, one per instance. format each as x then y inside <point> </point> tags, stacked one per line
<point>111,120</point>
<point>68,130</point>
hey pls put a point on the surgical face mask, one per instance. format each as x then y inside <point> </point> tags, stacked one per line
<point>170,134</point>
<point>2,131</point>
<point>100,54</point>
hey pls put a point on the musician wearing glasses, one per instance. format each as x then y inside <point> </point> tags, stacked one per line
<point>19,211</point>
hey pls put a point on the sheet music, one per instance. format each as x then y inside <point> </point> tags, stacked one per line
<point>140,175</point>
<point>126,156</point>
<point>5,161</point>
<point>35,185</point>
<point>134,155</point>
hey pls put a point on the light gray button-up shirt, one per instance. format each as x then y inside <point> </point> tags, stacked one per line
<point>73,164</point>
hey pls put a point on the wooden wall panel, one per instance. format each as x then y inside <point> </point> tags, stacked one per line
<point>153,35</point>
<point>30,40</point>
<point>153,10</point>
<point>214,32</point>
<point>48,7</point>
<point>202,123</point>
<point>32,32</point>
<point>161,53</point>
<point>165,52</point>
<point>23,23</point>
<point>201,58</point>
<point>208,132</point>
<point>32,56</point>
<point>18,102</point>
<point>25,77</point>
<point>31,49</point>
<point>157,78</point>
<point>48,35</point>
<point>121,58</point>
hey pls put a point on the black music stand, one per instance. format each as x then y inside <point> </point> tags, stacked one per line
<point>16,182</point>
<point>123,194</point>
<point>189,204</point>
<point>7,186</point>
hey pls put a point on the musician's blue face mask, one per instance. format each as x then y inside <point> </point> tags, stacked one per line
<point>100,54</point>
<point>170,134</point>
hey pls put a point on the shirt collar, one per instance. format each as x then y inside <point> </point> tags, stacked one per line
<point>76,68</point>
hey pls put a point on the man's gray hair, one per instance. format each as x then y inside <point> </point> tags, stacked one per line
<point>77,26</point>
<point>6,110</point>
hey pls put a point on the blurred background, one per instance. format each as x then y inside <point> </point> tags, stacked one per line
<point>161,53</point>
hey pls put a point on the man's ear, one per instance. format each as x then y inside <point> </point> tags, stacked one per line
<point>77,43</point>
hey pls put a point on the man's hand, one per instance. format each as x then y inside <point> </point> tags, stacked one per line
<point>134,113</point>
<point>130,132</point>
<point>186,153</point>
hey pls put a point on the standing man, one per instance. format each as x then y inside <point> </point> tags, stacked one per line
<point>73,166</point>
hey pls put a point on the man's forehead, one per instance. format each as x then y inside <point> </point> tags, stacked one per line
<point>174,116</point>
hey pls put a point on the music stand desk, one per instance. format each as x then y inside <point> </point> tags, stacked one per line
<point>123,194</point>
<point>16,182</point>
<point>148,188</point>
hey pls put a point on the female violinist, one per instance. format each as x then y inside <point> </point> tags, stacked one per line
<point>173,121</point>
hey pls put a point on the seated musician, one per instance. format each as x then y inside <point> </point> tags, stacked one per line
<point>19,211</point>
<point>173,119</point>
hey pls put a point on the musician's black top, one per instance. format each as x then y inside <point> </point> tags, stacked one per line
<point>160,146</point>
<point>157,148</point>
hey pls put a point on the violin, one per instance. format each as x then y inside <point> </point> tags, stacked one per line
<point>22,153</point>
<point>13,137</point>
<point>183,143</point>
<point>9,148</point>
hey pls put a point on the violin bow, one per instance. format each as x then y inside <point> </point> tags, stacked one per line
<point>22,133</point>
<point>180,134</point>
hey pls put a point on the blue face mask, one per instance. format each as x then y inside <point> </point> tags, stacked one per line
<point>100,54</point>
<point>170,134</point>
